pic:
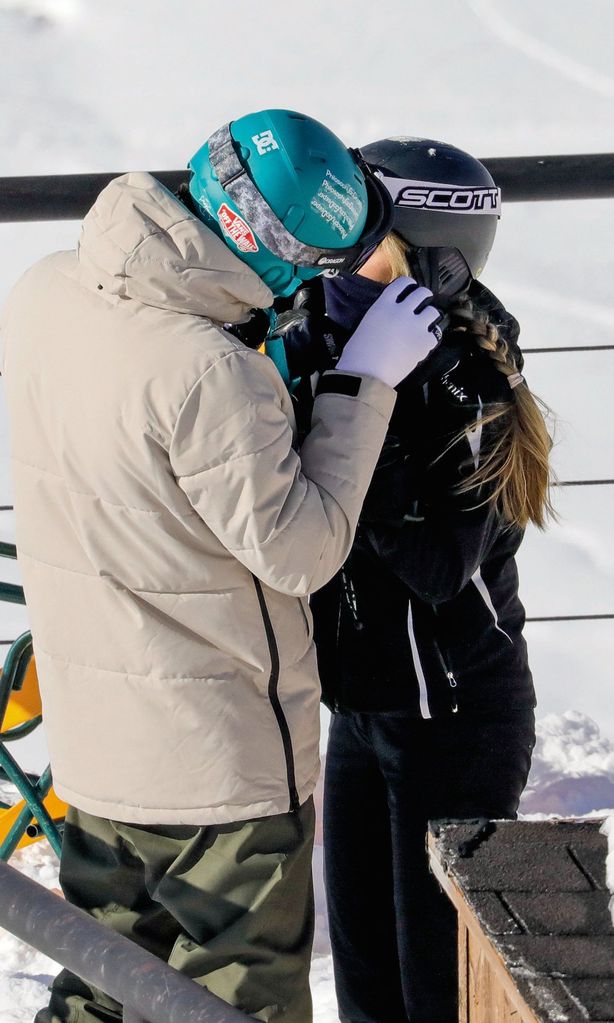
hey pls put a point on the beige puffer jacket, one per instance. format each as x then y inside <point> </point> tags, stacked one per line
<point>167,530</point>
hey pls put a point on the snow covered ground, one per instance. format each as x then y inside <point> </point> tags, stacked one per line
<point>87,86</point>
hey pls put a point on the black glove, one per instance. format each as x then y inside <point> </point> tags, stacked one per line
<point>253,332</point>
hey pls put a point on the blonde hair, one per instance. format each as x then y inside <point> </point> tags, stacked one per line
<point>515,464</point>
<point>394,250</point>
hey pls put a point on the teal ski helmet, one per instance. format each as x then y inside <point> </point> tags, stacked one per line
<point>286,195</point>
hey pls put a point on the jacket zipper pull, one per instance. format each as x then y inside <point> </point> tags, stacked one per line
<point>453,685</point>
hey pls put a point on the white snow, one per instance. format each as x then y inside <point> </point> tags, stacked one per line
<point>25,973</point>
<point>527,44</point>
<point>572,770</point>
<point>607,828</point>
<point>88,86</point>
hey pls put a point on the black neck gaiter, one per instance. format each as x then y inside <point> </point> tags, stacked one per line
<point>348,297</point>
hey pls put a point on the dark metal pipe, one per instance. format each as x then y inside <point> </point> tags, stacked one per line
<point>11,593</point>
<point>7,550</point>
<point>34,829</point>
<point>538,178</point>
<point>521,178</point>
<point>129,1016</point>
<point>149,988</point>
<point>62,196</point>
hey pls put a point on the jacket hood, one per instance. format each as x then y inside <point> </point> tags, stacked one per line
<point>138,241</point>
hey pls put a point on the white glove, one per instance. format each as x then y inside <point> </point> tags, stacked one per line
<point>394,335</point>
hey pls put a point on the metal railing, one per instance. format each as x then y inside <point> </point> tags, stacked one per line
<point>150,990</point>
<point>521,179</point>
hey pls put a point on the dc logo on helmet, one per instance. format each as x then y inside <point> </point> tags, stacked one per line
<point>264,142</point>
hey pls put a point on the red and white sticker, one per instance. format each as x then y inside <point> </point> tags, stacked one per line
<point>237,230</point>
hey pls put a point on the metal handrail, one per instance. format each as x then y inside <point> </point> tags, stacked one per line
<point>148,988</point>
<point>521,179</point>
<point>10,593</point>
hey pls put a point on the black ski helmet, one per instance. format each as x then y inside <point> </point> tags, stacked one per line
<point>445,200</point>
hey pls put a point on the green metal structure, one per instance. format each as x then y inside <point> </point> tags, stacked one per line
<point>32,819</point>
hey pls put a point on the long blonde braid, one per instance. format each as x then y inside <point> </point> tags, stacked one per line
<point>517,459</point>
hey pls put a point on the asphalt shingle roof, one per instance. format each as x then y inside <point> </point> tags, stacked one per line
<point>538,890</point>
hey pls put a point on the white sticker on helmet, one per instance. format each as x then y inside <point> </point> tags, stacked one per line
<point>338,203</point>
<point>445,198</point>
<point>264,142</point>
<point>237,229</point>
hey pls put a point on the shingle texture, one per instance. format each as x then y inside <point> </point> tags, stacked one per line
<point>539,892</point>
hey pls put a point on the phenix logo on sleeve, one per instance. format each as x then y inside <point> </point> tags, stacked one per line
<point>433,195</point>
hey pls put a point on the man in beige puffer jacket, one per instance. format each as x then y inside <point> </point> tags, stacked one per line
<point>169,535</point>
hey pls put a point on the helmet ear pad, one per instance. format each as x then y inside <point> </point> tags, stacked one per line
<point>441,269</point>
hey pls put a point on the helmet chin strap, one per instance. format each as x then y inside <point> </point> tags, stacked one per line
<point>443,271</point>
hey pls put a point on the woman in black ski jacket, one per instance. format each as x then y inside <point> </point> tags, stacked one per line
<point>419,637</point>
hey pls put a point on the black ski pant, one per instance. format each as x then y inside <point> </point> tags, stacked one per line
<point>393,931</point>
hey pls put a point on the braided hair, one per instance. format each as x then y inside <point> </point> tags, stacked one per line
<point>514,466</point>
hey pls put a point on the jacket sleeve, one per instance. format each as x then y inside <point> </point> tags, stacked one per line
<point>442,538</point>
<point>289,519</point>
<point>436,556</point>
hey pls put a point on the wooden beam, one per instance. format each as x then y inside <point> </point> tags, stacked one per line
<point>487,991</point>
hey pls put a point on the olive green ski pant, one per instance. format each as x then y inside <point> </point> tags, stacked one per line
<point>230,906</point>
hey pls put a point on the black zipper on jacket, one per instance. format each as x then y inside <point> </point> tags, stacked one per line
<point>448,669</point>
<point>274,697</point>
